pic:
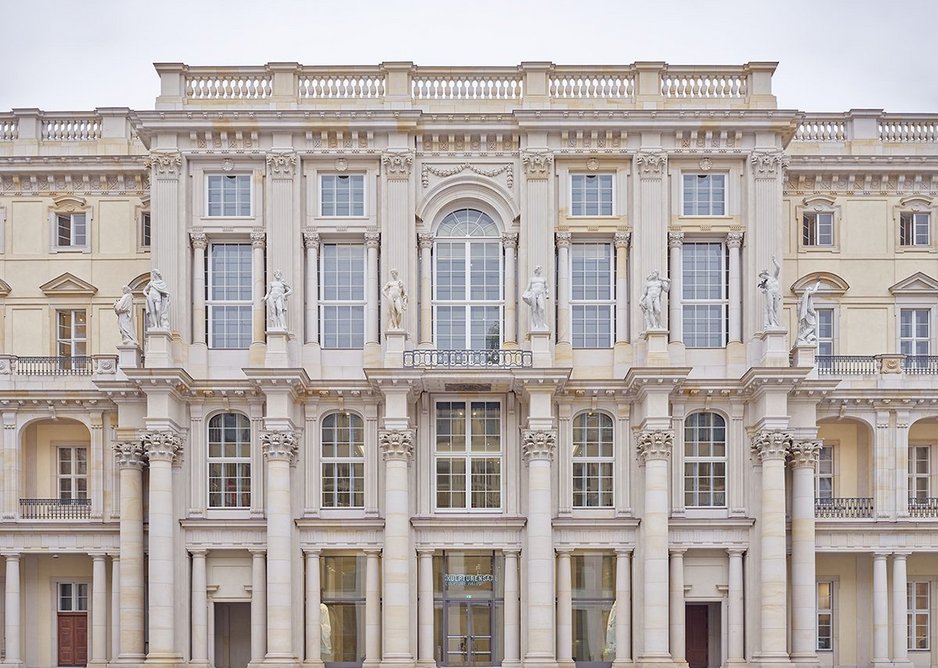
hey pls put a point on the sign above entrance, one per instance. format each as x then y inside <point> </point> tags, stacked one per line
<point>467,579</point>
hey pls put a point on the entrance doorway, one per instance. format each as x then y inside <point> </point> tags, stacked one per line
<point>468,609</point>
<point>702,635</point>
<point>232,635</point>
<point>468,634</point>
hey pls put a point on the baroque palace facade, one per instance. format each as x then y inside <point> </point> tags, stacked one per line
<point>451,465</point>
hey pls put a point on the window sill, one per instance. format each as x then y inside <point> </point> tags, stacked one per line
<point>70,249</point>
<point>818,249</point>
<point>219,218</point>
<point>916,249</point>
<point>362,217</point>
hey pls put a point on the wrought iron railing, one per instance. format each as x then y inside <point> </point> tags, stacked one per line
<point>843,365</point>
<point>55,509</point>
<point>843,507</point>
<point>54,366</point>
<point>921,364</point>
<point>923,507</point>
<point>468,359</point>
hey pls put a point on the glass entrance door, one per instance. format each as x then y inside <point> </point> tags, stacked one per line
<point>468,631</point>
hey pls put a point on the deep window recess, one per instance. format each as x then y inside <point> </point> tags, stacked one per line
<point>593,461</point>
<point>343,195</point>
<point>704,194</point>
<point>229,195</point>
<point>705,460</point>
<point>229,296</point>
<point>592,298</point>
<point>468,454</point>
<point>342,296</point>
<point>229,461</point>
<point>343,461</point>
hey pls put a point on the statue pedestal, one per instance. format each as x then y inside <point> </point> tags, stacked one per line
<point>394,340</point>
<point>774,347</point>
<point>128,356</point>
<point>276,356</point>
<point>656,347</point>
<point>540,348</point>
<point>159,349</point>
<point>804,355</point>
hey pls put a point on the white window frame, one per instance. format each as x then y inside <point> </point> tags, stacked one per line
<point>726,195</point>
<point>338,176</point>
<point>912,340</point>
<point>723,302</point>
<point>73,477</point>
<point>599,203</point>
<point>78,592</point>
<point>711,460</point>
<point>356,466</point>
<point>236,175</point>
<point>325,304</point>
<point>608,304</point>
<point>817,205</point>
<point>210,303</point>
<point>467,456</point>
<point>828,611</point>
<point>825,340</point>
<point>832,475</point>
<point>915,449</point>
<point>910,226</point>
<point>600,468</point>
<point>72,341</point>
<point>73,218</point>
<point>913,588</point>
<point>222,461</point>
<point>812,232</point>
<point>146,229</point>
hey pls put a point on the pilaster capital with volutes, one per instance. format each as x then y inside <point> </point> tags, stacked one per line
<point>734,239</point>
<point>768,164</point>
<point>562,239</point>
<point>675,239</point>
<point>622,239</point>
<point>804,454</point>
<point>538,165</point>
<point>538,444</point>
<point>198,240</point>
<point>651,164</point>
<point>129,455</point>
<point>164,445</point>
<point>735,551</point>
<point>311,240</point>
<point>165,164</point>
<point>397,164</point>
<point>396,444</point>
<point>509,240</point>
<point>258,239</point>
<point>279,446</point>
<point>281,164</point>
<point>655,444</point>
<point>425,240</point>
<point>771,445</point>
<point>372,239</point>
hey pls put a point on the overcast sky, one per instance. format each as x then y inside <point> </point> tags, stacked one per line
<point>833,54</point>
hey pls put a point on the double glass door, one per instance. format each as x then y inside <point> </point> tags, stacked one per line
<point>468,629</point>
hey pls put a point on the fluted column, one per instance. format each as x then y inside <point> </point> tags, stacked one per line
<point>311,241</point>
<point>98,654</point>
<point>623,623</point>
<point>425,241</point>
<point>199,243</point>
<point>654,448</point>
<point>258,267</point>
<point>675,294</point>
<point>280,452</point>
<point>130,460</point>
<point>735,620</point>
<point>621,242</point>
<point>564,609</point>
<point>313,610</point>
<point>372,242</point>
<point>199,608</point>
<point>900,610</point>
<point>771,447</point>
<point>563,287</point>
<point>804,457</point>
<point>734,241</point>
<point>258,606</point>
<point>677,606</point>
<point>512,650</point>
<point>425,607</point>
<point>115,607</point>
<point>880,611</point>
<point>372,608</point>
<point>510,244</point>
<point>11,611</point>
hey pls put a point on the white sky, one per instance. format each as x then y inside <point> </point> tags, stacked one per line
<point>834,54</point>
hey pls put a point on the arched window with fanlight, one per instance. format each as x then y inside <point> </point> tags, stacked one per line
<point>705,461</point>
<point>343,461</point>
<point>593,459</point>
<point>468,280</point>
<point>229,461</point>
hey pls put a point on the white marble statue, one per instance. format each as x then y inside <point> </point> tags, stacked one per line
<point>124,308</point>
<point>396,295</point>
<point>157,301</point>
<point>807,317</point>
<point>770,286</point>
<point>536,297</point>
<point>651,300</point>
<point>276,298</point>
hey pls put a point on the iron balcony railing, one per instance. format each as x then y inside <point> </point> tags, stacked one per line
<point>469,359</point>
<point>842,365</point>
<point>55,509</point>
<point>54,366</point>
<point>923,507</point>
<point>922,364</point>
<point>843,507</point>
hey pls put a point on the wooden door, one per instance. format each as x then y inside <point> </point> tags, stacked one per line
<point>73,638</point>
<point>696,635</point>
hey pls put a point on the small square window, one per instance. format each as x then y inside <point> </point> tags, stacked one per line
<point>914,229</point>
<point>704,194</point>
<point>591,194</point>
<point>817,229</point>
<point>342,195</point>
<point>229,195</point>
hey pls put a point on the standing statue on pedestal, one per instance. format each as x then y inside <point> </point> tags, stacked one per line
<point>394,292</point>
<point>807,317</point>
<point>124,308</point>
<point>276,298</point>
<point>156,293</point>
<point>536,297</point>
<point>651,300</point>
<point>770,286</point>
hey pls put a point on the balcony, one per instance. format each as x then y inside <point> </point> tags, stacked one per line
<point>923,507</point>
<point>921,365</point>
<point>468,359</point>
<point>67,373</point>
<point>839,365</point>
<point>843,508</point>
<point>53,366</point>
<point>55,509</point>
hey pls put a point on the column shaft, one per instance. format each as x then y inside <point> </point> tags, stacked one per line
<point>675,296</point>
<point>161,600</point>
<point>540,564</point>
<point>622,287</point>
<point>655,541</point>
<point>623,628</point>
<point>372,608</point>
<point>199,608</point>
<point>313,609</point>
<point>735,607</point>
<point>900,620</point>
<point>371,291</point>
<point>880,611</point>
<point>774,562</point>
<point>426,289</point>
<point>11,612</point>
<point>258,267</point>
<point>564,609</point>
<point>115,608</point>
<point>312,287</point>
<point>198,287</point>
<point>130,564</point>
<point>733,241</point>
<point>279,562</point>
<point>563,288</point>
<point>396,562</point>
<point>425,610</point>
<point>258,606</point>
<point>98,609</point>
<point>677,606</point>
<point>510,242</point>
<point>803,577</point>
<point>512,651</point>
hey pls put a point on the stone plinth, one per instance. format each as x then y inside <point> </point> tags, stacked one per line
<point>656,347</point>
<point>804,355</point>
<point>129,356</point>
<point>159,348</point>
<point>276,356</point>
<point>774,347</point>
<point>394,341</point>
<point>540,348</point>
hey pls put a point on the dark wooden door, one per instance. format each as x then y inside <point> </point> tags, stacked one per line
<point>696,635</point>
<point>73,638</point>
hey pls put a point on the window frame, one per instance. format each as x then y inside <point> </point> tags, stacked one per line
<point>74,596</point>
<point>72,477</point>
<point>612,194</point>
<point>912,611</point>
<point>915,475</point>
<point>829,611</point>
<point>818,475</point>
<point>342,175</point>
<point>815,205</point>
<point>929,320</point>
<point>145,230</point>
<point>323,304</point>
<point>811,229</point>
<point>335,461</point>
<point>832,340</point>
<point>711,460</point>
<point>223,460</point>
<point>609,304</point>
<point>72,340</point>
<point>701,174</point>
<point>211,303</point>
<point>723,302</point>
<point>207,208</point>
<point>600,461</point>
<point>916,205</point>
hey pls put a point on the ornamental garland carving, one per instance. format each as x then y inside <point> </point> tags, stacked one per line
<point>129,454</point>
<point>396,444</point>
<point>537,164</point>
<point>281,165</point>
<point>427,170</point>
<point>768,164</point>
<point>655,444</point>
<point>279,445</point>
<point>76,184</point>
<point>538,444</point>
<point>165,163</point>
<point>804,454</point>
<point>769,445</point>
<point>848,183</point>
<point>162,445</point>
<point>397,165</point>
<point>651,164</point>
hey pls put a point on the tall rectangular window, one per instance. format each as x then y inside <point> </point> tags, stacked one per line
<point>919,614</point>
<point>229,296</point>
<point>145,229</point>
<point>705,294</point>
<point>71,230</point>
<point>342,195</point>
<point>915,331</point>
<point>825,616</point>
<point>824,481</point>
<point>914,228</point>
<point>591,194</point>
<point>593,460</point>
<point>342,296</point>
<point>73,473</point>
<point>593,579</point>
<point>705,461</point>
<point>229,195</point>
<point>229,461</point>
<point>342,620</point>
<point>468,454</point>
<point>71,333</point>
<point>825,332</point>
<point>704,194</point>
<point>919,472</point>
<point>817,229</point>
<point>592,297</point>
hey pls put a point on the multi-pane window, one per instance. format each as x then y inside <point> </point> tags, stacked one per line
<point>342,195</point>
<point>825,615</point>
<point>145,229</point>
<point>71,230</point>
<point>914,331</point>
<point>705,294</point>
<point>914,228</point>
<point>705,460</point>
<point>73,597</point>
<point>342,610</point>
<point>592,297</point>
<point>704,194</point>
<point>342,296</point>
<point>593,460</point>
<point>593,579</point>
<point>229,461</point>
<point>73,473</point>
<point>343,461</point>
<point>71,333</point>
<point>229,296</point>
<point>468,455</point>
<point>817,229</point>
<point>918,614</point>
<point>591,194</point>
<point>825,332</point>
<point>468,280</point>
<point>919,471</point>
<point>824,480</point>
<point>229,195</point>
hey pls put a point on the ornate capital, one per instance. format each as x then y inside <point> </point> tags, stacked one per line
<point>804,454</point>
<point>651,164</point>
<point>768,445</point>
<point>281,164</point>
<point>397,165</point>
<point>537,164</point>
<point>563,239</point>
<point>622,239</point>
<point>167,164</point>
<point>768,164</point>
<point>734,239</point>
<point>425,240</point>
<point>162,446</point>
<point>279,445</point>
<point>198,240</point>
<point>311,239</point>
<point>675,239</point>
<point>258,239</point>
<point>129,455</point>
<point>538,444</point>
<point>509,239</point>
<point>655,444</point>
<point>372,239</point>
<point>396,444</point>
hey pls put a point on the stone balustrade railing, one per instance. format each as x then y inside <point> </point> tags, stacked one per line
<point>72,128</point>
<point>243,85</point>
<point>326,83</point>
<point>704,83</point>
<point>467,84</point>
<point>869,125</point>
<point>82,130</point>
<point>8,127</point>
<point>583,83</point>
<point>822,128</point>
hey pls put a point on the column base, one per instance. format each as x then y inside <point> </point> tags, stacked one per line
<point>539,662</point>
<point>774,347</point>
<point>394,341</point>
<point>313,664</point>
<point>511,663</point>
<point>540,353</point>
<point>623,663</point>
<point>281,661</point>
<point>160,660</point>
<point>198,663</point>
<point>776,661</point>
<point>656,348</point>
<point>805,660</point>
<point>425,663</point>
<point>402,662</point>
<point>276,356</point>
<point>128,660</point>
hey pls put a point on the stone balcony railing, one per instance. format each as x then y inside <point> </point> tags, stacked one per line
<point>923,507</point>
<point>871,365</point>
<point>103,131</point>
<point>55,509</point>
<point>468,359</point>
<point>868,125</point>
<point>843,508</point>
<point>13,366</point>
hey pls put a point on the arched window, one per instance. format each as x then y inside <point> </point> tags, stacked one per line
<point>468,280</point>
<point>229,461</point>
<point>593,457</point>
<point>343,461</point>
<point>705,461</point>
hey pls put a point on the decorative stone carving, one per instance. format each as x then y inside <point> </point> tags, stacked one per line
<point>675,239</point>
<point>124,308</point>
<point>655,444</point>
<point>282,164</point>
<point>397,165</point>
<point>734,239</point>
<point>771,288</point>
<point>768,164</point>
<point>890,362</point>
<point>258,239</point>
<point>157,298</point>
<point>279,445</point>
<point>425,240</point>
<point>442,172</point>
<point>165,163</point>
<point>509,240</point>
<point>592,164</point>
<point>396,295</point>
<point>771,444</point>
<point>129,454</point>
<point>622,239</point>
<point>650,302</point>
<point>311,239</point>
<point>537,164</point>
<point>198,240</point>
<point>807,317</point>
<point>538,444</point>
<point>277,293</point>
<point>372,239</point>
<point>104,364</point>
<point>651,164</point>
<point>163,445</point>
<point>804,453</point>
<point>563,239</point>
<point>396,444</point>
<point>536,297</point>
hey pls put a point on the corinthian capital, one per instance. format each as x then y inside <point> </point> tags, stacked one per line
<point>538,444</point>
<point>675,239</point>
<point>622,239</point>
<point>425,240</point>
<point>281,164</point>
<point>129,455</point>
<point>804,454</point>
<point>563,239</point>
<point>651,164</point>
<point>397,165</point>
<point>198,240</point>
<point>396,444</point>
<point>768,164</point>
<point>769,445</point>
<point>165,163</point>
<point>655,444</point>
<point>537,164</point>
<point>279,445</point>
<point>161,445</point>
<point>734,239</point>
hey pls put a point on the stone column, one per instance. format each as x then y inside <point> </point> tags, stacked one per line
<point>313,609</point>
<point>650,206</point>
<point>677,606</point>
<point>199,243</point>
<point>425,241</point>
<point>258,269</point>
<point>425,609</point>
<point>510,244</point>
<point>771,448</point>
<point>166,170</point>
<point>563,287</point>
<point>564,609</point>
<point>372,312</point>
<point>162,448</point>
<point>372,608</point>
<point>199,608</point>
<point>258,606</point>
<point>623,605</point>
<point>130,459</point>
<point>538,447</point>
<point>98,655</point>
<point>280,452</point>
<point>311,241</point>
<point>535,243</point>
<point>512,645</point>
<point>11,611</point>
<point>880,611</point>
<point>735,620</point>
<point>901,450</point>
<point>621,243</point>
<point>398,189</point>
<point>11,474</point>
<point>397,449</point>
<point>766,171</point>
<point>115,607</point>
<point>804,457</point>
<point>96,465</point>
<point>734,241</point>
<point>900,610</point>
<point>675,294</point>
<point>654,449</point>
